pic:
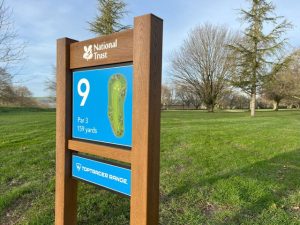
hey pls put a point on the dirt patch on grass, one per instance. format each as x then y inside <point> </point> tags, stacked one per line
<point>15,212</point>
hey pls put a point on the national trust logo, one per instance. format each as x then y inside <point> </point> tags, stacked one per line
<point>98,51</point>
<point>88,52</point>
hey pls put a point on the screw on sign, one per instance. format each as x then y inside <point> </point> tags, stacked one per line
<point>108,105</point>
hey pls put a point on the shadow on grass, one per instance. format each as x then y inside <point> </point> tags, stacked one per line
<point>264,185</point>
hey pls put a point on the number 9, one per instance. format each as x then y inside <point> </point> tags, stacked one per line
<point>84,94</point>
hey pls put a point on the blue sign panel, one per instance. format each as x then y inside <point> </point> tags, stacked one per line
<point>106,175</point>
<point>102,105</point>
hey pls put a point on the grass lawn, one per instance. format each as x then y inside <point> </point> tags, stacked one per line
<point>216,168</point>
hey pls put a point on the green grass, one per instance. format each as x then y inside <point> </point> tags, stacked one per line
<point>216,168</point>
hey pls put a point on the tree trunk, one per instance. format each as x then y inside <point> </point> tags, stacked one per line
<point>275,105</point>
<point>210,108</point>
<point>253,103</point>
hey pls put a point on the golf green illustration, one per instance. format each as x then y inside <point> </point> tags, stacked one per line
<point>117,88</point>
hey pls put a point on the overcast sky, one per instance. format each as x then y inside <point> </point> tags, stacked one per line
<point>40,22</point>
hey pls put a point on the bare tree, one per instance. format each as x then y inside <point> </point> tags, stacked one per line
<point>187,96</point>
<point>50,84</point>
<point>7,94</point>
<point>285,82</point>
<point>11,52</point>
<point>203,64</point>
<point>11,49</point>
<point>24,97</point>
<point>167,96</point>
<point>233,99</point>
<point>183,95</point>
<point>294,69</point>
<point>278,88</point>
<point>6,80</point>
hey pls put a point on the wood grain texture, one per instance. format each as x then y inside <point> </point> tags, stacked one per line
<point>147,63</point>
<point>101,150</point>
<point>66,187</point>
<point>122,53</point>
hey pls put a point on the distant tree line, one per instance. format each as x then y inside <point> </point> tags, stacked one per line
<point>14,95</point>
<point>282,89</point>
<point>176,97</point>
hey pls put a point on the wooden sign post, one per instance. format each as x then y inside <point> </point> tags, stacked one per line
<point>129,134</point>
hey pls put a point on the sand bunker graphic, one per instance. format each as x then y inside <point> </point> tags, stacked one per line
<point>117,88</point>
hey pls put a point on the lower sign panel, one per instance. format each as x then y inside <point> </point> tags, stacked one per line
<point>102,174</point>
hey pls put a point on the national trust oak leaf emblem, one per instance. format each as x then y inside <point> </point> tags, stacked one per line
<point>88,52</point>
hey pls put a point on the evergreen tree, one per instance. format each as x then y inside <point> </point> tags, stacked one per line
<point>261,48</point>
<point>108,21</point>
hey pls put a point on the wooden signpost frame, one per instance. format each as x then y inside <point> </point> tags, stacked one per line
<point>143,48</point>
